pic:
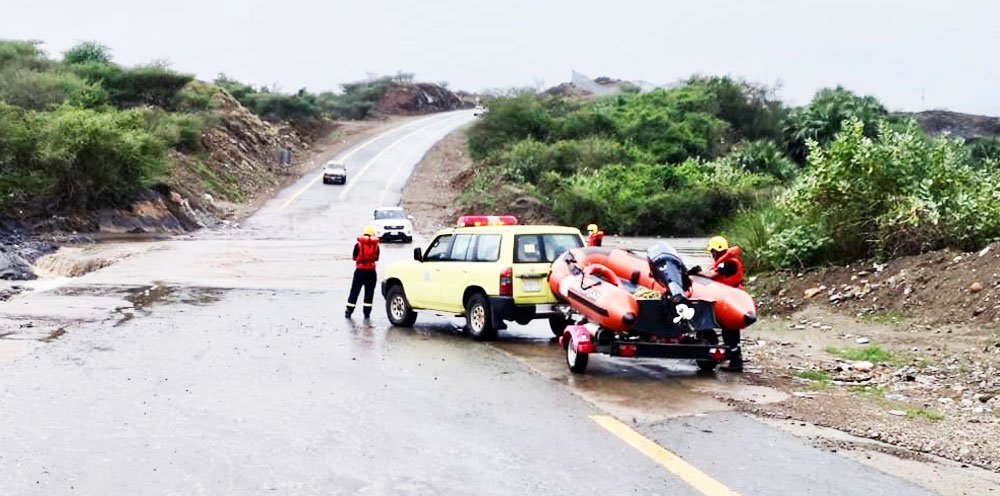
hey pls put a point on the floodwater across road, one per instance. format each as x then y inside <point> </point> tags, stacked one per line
<point>220,363</point>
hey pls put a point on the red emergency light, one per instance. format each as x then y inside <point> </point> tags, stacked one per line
<point>486,220</point>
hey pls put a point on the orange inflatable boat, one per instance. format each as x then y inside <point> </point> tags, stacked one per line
<point>631,305</point>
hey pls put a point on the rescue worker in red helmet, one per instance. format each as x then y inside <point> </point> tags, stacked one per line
<point>595,236</point>
<point>727,268</point>
<point>366,253</point>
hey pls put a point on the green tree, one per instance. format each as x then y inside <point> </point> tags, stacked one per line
<point>88,52</point>
<point>823,118</point>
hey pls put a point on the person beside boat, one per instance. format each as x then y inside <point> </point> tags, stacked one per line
<point>727,266</point>
<point>595,236</point>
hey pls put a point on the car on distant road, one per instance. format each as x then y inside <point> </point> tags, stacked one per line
<point>334,173</point>
<point>480,111</point>
<point>489,270</point>
<point>392,223</point>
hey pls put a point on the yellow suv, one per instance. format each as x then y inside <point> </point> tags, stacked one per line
<point>489,274</point>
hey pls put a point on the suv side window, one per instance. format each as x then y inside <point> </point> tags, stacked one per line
<point>439,249</point>
<point>488,247</point>
<point>461,247</point>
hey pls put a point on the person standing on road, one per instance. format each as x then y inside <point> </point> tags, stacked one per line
<point>595,236</point>
<point>366,252</point>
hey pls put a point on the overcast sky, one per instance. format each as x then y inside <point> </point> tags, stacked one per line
<point>912,54</point>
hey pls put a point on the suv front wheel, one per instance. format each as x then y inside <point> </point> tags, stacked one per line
<point>479,318</point>
<point>398,309</point>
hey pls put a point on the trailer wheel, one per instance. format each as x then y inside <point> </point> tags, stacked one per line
<point>706,365</point>
<point>709,337</point>
<point>577,362</point>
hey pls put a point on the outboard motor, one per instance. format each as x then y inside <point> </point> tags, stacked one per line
<point>669,270</point>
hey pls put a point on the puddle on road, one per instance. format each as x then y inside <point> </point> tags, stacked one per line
<point>647,390</point>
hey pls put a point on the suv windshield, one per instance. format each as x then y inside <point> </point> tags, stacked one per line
<point>389,214</point>
<point>543,248</point>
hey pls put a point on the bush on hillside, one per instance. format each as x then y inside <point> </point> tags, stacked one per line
<point>668,200</point>
<point>88,52</point>
<point>528,160</point>
<point>897,194</point>
<point>19,179</point>
<point>178,131</point>
<point>823,118</point>
<point>763,157</point>
<point>76,157</point>
<point>23,54</point>
<point>35,90</point>
<point>154,85</point>
<point>508,121</point>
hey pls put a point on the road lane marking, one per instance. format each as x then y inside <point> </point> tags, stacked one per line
<point>347,189</point>
<point>395,173</point>
<point>354,150</point>
<point>695,478</point>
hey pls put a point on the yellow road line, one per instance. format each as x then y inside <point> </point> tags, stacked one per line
<point>675,464</point>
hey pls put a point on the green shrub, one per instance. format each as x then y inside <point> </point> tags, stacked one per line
<point>179,131</point>
<point>35,90</point>
<point>985,152</point>
<point>195,97</point>
<point>751,109</point>
<point>154,85</point>
<point>509,120</point>
<point>763,157</point>
<point>643,199</point>
<point>20,179</point>
<point>898,194</point>
<point>823,118</point>
<point>23,54</point>
<point>96,158</point>
<point>87,52</point>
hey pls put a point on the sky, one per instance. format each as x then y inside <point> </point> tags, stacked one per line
<point>911,54</point>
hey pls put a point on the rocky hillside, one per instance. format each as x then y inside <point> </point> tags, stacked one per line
<point>965,126</point>
<point>418,98</point>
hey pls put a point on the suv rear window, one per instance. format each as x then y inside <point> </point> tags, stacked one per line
<point>543,248</point>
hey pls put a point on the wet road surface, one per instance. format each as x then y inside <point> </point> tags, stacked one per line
<point>220,363</point>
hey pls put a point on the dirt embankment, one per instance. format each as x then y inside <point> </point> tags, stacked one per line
<point>906,352</point>
<point>419,98</point>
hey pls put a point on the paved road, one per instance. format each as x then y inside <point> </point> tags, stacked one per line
<point>221,363</point>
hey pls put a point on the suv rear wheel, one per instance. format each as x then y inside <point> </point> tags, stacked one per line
<point>558,324</point>
<point>398,308</point>
<point>479,318</point>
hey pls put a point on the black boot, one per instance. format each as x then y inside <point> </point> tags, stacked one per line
<point>348,312</point>
<point>735,361</point>
<point>732,340</point>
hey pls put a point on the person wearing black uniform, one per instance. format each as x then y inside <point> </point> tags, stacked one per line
<point>366,253</point>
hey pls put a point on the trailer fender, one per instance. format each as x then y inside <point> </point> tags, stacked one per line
<point>579,337</point>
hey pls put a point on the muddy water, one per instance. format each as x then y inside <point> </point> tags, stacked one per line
<point>647,390</point>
